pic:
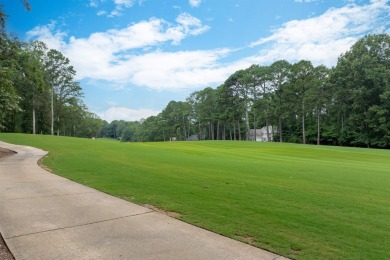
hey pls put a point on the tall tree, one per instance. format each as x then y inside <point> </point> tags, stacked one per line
<point>60,74</point>
<point>279,76</point>
<point>9,53</point>
<point>32,83</point>
<point>204,107</point>
<point>9,99</point>
<point>260,78</point>
<point>67,94</point>
<point>301,82</point>
<point>321,95</point>
<point>362,75</point>
<point>238,84</point>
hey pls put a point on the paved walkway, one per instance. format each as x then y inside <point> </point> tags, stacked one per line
<point>44,216</point>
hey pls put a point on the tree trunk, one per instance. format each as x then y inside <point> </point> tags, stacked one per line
<point>58,127</point>
<point>254,115</point>
<point>239,129</point>
<point>189,127</point>
<point>209,130</point>
<point>280,129</point>
<point>266,124</point>
<point>318,126</point>
<point>212,131</point>
<point>247,125</point>
<point>52,110</point>
<point>234,130</point>
<point>266,112</point>
<point>254,125</point>
<point>184,129</point>
<point>33,119</point>
<point>303,123</point>
<point>218,130</point>
<point>200,131</point>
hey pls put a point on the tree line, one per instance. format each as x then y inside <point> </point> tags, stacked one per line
<point>38,92</point>
<point>347,105</point>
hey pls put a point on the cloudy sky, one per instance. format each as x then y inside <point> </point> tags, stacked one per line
<point>134,56</point>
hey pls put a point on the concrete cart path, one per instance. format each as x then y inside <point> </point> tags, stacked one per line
<point>44,216</point>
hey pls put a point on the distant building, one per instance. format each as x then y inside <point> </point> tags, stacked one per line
<point>173,138</point>
<point>192,138</point>
<point>261,134</point>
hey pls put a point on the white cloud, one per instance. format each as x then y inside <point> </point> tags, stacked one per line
<point>127,114</point>
<point>195,3</point>
<point>114,13</point>
<point>102,12</point>
<point>190,25</point>
<point>120,5</point>
<point>135,55</point>
<point>124,3</point>
<point>186,69</point>
<point>49,35</point>
<point>111,55</point>
<point>145,33</point>
<point>322,39</point>
<point>93,3</point>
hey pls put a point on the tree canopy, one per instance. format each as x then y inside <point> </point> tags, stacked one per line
<point>38,93</point>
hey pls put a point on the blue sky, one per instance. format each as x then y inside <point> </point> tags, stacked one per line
<point>134,56</point>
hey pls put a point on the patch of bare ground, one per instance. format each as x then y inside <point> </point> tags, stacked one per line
<point>246,239</point>
<point>5,254</point>
<point>6,152</point>
<point>172,214</point>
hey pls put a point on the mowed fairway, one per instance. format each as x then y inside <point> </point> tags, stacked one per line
<point>300,201</point>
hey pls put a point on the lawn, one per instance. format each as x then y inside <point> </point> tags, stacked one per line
<point>300,201</point>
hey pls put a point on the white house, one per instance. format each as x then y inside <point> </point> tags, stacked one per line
<point>193,138</point>
<point>261,134</point>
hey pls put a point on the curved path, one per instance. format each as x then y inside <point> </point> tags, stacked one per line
<point>44,216</point>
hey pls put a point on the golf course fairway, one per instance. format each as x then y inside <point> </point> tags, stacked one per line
<point>299,201</point>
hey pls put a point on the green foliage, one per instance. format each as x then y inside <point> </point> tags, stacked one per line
<point>36,86</point>
<point>204,108</point>
<point>347,105</point>
<point>126,135</point>
<point>362,82</point>
<point>9,100</point>
<point>301,201</point>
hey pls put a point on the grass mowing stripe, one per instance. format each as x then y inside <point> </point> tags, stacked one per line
<point>301,201</point>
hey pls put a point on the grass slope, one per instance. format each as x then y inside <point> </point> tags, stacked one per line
<point>300,201</point>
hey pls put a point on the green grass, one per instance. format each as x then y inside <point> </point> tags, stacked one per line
<point>300,201</point>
